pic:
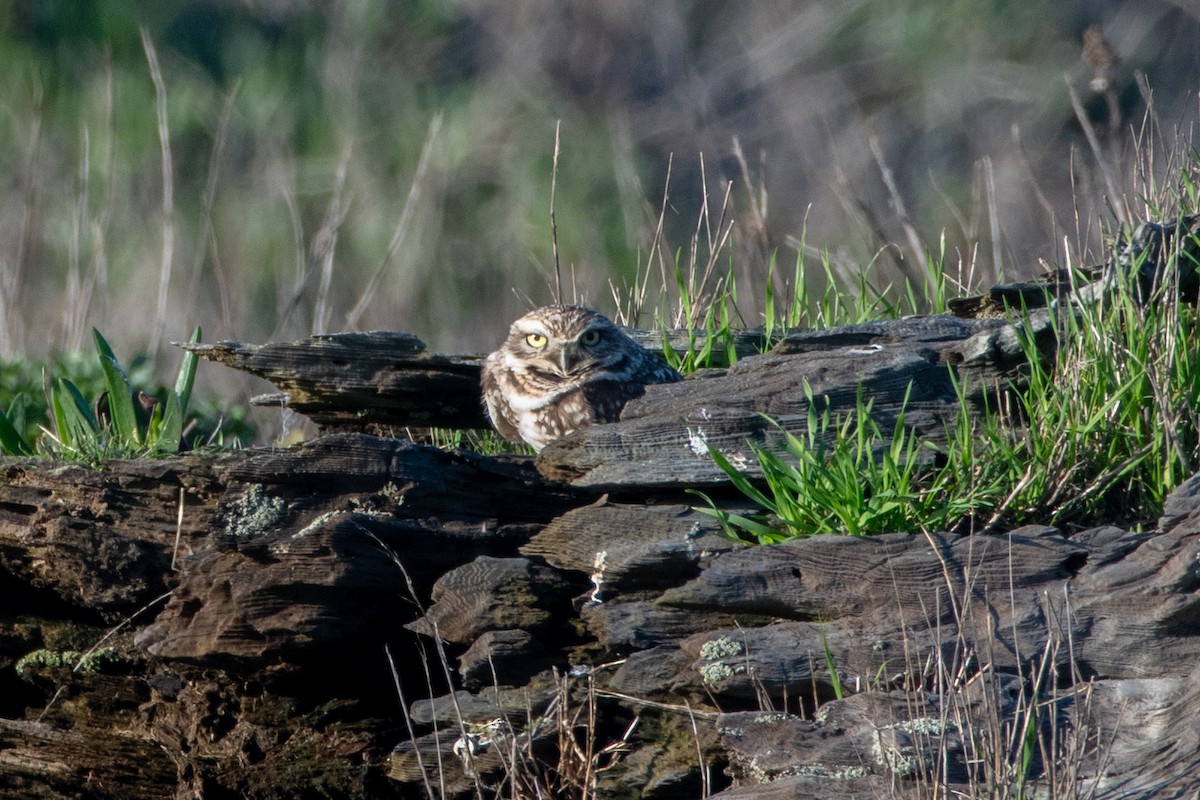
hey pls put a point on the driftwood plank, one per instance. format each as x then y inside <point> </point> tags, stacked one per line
<point>386,381</point>
<point>375,382</point>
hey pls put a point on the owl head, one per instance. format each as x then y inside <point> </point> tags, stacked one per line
<point>566,343</point>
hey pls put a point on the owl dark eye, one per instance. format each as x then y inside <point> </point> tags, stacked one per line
<point>536,340</point>
<point>590,337</point>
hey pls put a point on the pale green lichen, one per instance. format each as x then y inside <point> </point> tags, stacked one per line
<point>716,672</point>
<point>722,647</point>
<point>842,772</point>
<point>317,523</point>
<point>901,756</point>
<point>925,726</point>
<point>393,493</point>
<point>892,759</point>
<point>93,661</point>
<point>253,513</point>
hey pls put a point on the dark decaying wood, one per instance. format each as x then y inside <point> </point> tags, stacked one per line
<point>301,572</point>
<point>276,638</point>
<point>377,381</point>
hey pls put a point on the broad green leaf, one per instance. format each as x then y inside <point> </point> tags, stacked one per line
<point>11,440</point>
<point>120,394</point>
<point>81,405</point>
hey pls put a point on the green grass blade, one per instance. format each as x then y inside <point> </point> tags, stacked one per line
<point>59,414</point>
<point>187,374</point>
<point>834,680</point>
<point>120,394</point>
<point>167,429</point>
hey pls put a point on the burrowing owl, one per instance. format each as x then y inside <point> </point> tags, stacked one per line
<point>564,367</point>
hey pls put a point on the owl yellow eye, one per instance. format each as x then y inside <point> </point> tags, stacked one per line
<point>536,340</point>
<point>590,337</point>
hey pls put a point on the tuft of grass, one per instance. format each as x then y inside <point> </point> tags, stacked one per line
<point>1102,434</point>
<point>845,475</point>
<point>122,422</point>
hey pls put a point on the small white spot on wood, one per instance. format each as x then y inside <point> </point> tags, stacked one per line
<point>597,576</point>
<point>737,461</point>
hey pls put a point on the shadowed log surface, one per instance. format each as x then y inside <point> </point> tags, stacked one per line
<point>297,565</point>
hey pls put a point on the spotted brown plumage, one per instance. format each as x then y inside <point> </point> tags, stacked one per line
<point>562,368</point>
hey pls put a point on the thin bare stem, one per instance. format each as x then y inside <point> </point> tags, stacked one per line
<point>1089,131</point>
<point>168,196</point>
<point>208,239</point>
<point>915,244</point>
<point>178,528</point>
<point>12,279</point>
<point>325,243</point>
<point>400,233</point>
<point>553,219</point>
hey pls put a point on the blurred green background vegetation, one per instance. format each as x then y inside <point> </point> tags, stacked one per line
<point>358,165</point>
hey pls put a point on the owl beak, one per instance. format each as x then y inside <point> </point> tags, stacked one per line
<point>568,358</point>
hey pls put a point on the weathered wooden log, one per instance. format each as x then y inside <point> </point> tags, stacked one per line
<point>293,569</point>
<point>39,760</point>
<point>66,528</point>
<point>297,571</point>
<point>505,658</point>
<point>995,599</point>
<point>377,382</point>
<point>625,548</point>
<point>391,514</point>
<point>517,703</point>
<point>383,382</point>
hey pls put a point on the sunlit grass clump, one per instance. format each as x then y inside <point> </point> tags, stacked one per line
<point>1099,433</point>
<point>120,421</point>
